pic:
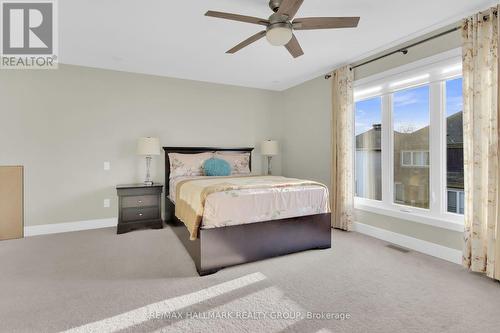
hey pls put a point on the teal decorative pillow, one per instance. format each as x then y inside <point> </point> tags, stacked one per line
<point>216,167</point>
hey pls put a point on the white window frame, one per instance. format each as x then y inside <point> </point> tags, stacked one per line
<point>403,194</point>
<point>434,72</point>
<point>457,193</point>
<point>403,164</point>
<point>412,160</point>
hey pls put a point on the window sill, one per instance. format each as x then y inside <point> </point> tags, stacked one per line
<point>443,223</point>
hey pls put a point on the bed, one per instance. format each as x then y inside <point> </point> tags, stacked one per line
<point>250,224</point>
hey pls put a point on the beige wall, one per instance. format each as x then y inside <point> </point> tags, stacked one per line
<point>305,130</point>
<point>62,125</point>
<point>306,134</point>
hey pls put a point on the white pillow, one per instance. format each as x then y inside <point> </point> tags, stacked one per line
<point>239,162</point>
<point>187,164</point>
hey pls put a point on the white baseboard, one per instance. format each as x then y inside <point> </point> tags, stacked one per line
<point>56,228</point>
<point>432,249</point>
<point>415,244</point>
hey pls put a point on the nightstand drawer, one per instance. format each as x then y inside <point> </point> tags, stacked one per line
<point>138,214</point>
<point>140,201</point>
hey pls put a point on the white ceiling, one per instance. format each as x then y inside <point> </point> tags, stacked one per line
<point>175,39</point>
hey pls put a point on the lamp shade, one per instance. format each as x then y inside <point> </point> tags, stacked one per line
<point>148,146</point>
<point>269,148</point>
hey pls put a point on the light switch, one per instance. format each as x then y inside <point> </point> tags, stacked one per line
<point>107,166</point>
<point>107,203</point>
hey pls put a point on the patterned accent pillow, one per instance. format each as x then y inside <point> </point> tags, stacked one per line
<point>239,162</point>
<point>187,164</point>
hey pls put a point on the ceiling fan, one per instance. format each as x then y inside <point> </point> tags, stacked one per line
<point>280,27</point>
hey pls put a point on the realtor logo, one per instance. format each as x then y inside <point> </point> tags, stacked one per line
<point>28,34</point>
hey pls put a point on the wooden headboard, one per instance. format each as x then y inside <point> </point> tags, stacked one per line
<point>197,150</point>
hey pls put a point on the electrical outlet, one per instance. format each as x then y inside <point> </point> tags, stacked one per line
<point>107,203</point>
<point>107,166</point>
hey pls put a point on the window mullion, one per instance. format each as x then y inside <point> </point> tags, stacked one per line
<point>387,154</point>
<point>437,134</point>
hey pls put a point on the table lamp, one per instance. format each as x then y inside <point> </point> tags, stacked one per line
<point>269,148</point>
<point>148,147</point>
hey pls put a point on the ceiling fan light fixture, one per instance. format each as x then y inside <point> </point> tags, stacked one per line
<point>279,34</point>
<point>282,23</point>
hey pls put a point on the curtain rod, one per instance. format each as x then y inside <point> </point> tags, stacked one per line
<point>403,50</point>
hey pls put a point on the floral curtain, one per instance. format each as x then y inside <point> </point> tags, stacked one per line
<point>481,142</point>
<point>342,144</point>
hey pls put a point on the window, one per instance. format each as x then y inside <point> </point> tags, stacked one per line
<point>368,159</point>
<point>415,159</point>
<point>455,201</point>
<point>409,142</point>
<point>406,158</point>
<point>399,193</point>
<point>454,145</point>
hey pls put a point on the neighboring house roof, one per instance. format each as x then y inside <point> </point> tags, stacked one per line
<point>455,132</point>
<point>417,140</point>
<point>371,139</point>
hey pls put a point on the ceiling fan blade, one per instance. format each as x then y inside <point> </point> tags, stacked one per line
<point>247,42</point>
<point>237,17</point>
<point>290,8</point>
<point>311,23</point>
<point>294,48</point>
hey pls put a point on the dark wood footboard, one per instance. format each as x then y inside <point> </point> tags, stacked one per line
<point>217,248</point>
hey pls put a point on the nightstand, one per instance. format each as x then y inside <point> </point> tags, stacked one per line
<point>139,206</point>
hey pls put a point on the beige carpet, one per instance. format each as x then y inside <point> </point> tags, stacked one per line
<point>144,281</point>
